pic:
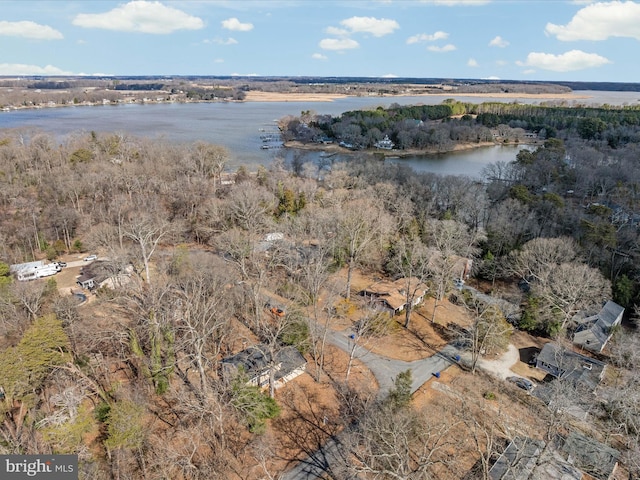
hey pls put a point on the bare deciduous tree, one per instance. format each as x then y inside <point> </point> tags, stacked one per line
<point>452,242</point>
<point>359,225</point>
<point>410,258</point>
<point>146,231</point>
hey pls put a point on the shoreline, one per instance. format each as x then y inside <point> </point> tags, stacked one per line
<point>255,96</point>
<point>334,149</point>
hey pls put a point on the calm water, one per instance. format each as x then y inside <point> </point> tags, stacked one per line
<point>238,126</point>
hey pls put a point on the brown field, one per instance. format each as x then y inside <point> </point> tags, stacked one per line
<point>256,96</point>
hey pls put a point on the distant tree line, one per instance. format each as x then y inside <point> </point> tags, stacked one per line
<point>215,93</point>
<point>139,86</point>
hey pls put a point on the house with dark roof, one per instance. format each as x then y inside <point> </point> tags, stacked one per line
<point>568,365</point>
<point>258,363</point>
<point>594,331</point>
<point>393,295</point>
<point>526,459</point>
<point>99,274</point>
<point>573,457</point>
<point>594,458</point>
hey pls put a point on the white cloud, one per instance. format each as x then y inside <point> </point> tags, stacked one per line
<point>529,71</point>
<point>389,75</point>
<point>236,25</point>
<point>501,63</point>
<point>425,37</point>
<point>378,27</point>
<point>472,62</point>
<point>338,44</point>
<point>600,21</point>
<point>566,62</point>
<point>451,3</point>
<point>492,77</point>
<point>140,16</point>
<point>338,32</point>
<point>445,48</point>
<point>27,29</point>
<point>498,42</point>
<point>218,60</point>
<point>24,69</point>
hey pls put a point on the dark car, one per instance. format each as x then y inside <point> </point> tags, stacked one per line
<point>523,383</point>
<point>61,264</point>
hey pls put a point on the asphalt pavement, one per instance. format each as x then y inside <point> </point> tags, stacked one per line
<point>385,370</point>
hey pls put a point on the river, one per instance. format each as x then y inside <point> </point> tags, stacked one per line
<point>238,126</point>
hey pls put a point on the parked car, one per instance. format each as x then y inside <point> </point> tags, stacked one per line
<point>522,383</point>
<point>90,258</point>
<point>458,283</point>
<point>61,264</point>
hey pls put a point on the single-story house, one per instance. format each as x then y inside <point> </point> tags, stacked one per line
<point>594,331</point>
<point>87,281</point>
<point>592,457</point>
<point>525,459</point>
<point>393,295</point>
<point>256,362</point>
<point>566,458</point>
<point>100,274</point>
<point>567,364</point>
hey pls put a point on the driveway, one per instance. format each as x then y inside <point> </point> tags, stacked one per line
<point>501,367</point>
<point>387,369</point>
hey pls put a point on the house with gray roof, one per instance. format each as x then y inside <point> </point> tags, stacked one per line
<point>592,457</point>
<point>258,363</point>
<point>573,457</point>
<point>526,459</point>
<point>594,331</point>
<point>568,365</point>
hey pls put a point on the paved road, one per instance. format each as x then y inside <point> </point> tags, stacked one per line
<point>385,371</point>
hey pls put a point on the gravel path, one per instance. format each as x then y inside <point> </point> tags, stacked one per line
<point>501,367</point>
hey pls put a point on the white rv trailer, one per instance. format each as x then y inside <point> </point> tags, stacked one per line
<point>37,271</point>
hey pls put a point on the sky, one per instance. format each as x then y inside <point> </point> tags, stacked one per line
<point>538,40</point>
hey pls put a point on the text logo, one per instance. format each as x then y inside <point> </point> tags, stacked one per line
<point>45,467</point>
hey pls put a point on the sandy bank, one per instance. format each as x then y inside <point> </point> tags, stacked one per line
<point>412,152</point>
<point>541,96</point>
<point>255,96</point>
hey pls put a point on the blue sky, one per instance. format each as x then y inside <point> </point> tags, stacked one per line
<point>578,40</point>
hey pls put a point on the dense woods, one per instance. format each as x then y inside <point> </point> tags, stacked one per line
<point>440,127</point>
<point>134,382</point>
